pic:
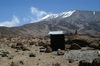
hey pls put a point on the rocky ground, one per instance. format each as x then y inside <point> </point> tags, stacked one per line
<point>36,51</point>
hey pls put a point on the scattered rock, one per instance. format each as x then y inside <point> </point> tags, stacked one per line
<point>71,60</point>
<point>14,64</point>
<point>90,48</point>
<point>48,49</point>
<point>24,48</point>
<point>4,51</point>
<point>84,63</point>
<point>18,47</point>
<point>96,62</point>
<point>32,43</point>
<point>75,46</point>
<point>4,55</point>
<point>21,62</point>
<point>83,49</point>
<point>39,59</point>
<point>67,46</point>
<point>11,57</point>
<point>45,45</point>
<point>61,52</point>
<point>13,46</point>
<point>57,64</point>
<point>19,44</point>
<point>94,45</point>
<point>32,55</point>
<point>42,50</point>
<point>16,51</point>
<point>40,43</point>
<point>37,63</point>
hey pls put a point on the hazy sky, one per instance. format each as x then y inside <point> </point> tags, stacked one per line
<point>20,12</point>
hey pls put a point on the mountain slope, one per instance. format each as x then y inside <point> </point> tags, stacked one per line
<point>86,22</point>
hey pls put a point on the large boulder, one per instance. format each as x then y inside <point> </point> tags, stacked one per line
<point>95,45</point>
<point>84,63</point>
<point>82,41</point>
<point>96,62</point>
<point>75,46</point>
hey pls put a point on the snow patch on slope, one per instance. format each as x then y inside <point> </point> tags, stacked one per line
<point>94,12</point>
<point>50,16</point>
<point>67,14</point>
<point>61,15</point>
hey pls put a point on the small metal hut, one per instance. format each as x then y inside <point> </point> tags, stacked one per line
<point>57,40</point>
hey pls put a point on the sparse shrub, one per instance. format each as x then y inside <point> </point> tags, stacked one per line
<point>32,55</point>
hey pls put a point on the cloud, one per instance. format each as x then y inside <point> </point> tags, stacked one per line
<point>25,19</point>
<point>12,23</point>
<point>32,20</point>
<point>38,14</point>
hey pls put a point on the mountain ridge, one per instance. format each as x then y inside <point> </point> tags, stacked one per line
<point>85,22</point>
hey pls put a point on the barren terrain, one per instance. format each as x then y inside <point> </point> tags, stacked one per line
<point>31,51</point>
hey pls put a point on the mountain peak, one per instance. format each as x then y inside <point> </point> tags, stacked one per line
<point>61,15</point>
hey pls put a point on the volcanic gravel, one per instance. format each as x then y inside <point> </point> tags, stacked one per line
<point>90,55</point>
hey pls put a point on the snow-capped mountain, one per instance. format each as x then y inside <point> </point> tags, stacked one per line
<point>86,22</point>
<point>62,15</point>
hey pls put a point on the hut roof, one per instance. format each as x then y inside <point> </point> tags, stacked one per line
<point>56,32</point>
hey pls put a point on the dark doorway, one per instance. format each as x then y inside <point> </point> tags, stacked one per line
<point>57,42</point>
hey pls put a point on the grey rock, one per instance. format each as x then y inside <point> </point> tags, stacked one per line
<point>4,51</point>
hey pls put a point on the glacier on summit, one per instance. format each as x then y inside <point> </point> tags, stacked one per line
<point>61,15</point>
